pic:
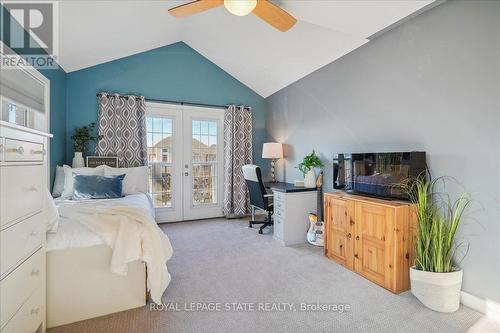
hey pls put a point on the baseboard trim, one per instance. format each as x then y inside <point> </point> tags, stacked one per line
<point>488,307</point>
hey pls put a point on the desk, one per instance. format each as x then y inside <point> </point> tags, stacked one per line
<point>292,206</point>
<point>287,187</point>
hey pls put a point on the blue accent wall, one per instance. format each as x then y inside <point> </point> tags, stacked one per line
<point>173,72</point>
<point>57,79</point>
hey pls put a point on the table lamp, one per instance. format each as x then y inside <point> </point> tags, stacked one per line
<point>274,151</point>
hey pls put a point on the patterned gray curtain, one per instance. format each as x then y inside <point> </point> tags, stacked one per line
<point>237,152</point>
<point>122,124</point>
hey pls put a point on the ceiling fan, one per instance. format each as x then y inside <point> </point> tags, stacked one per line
<point>264,9</point>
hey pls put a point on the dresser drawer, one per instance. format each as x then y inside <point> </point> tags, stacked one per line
<point>19,240</point>
<point>21,192</point>
<point>29,317</point>
<point>17,287</point>
<point>278,227</point>
<point>279,205</point>
<point>16,150</point>
<point>278,196</point>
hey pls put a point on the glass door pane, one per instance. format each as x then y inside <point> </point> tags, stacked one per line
<point>204,161</point>
<point>160,159</point>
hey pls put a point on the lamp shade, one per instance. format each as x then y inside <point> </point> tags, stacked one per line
<point>272,150</point>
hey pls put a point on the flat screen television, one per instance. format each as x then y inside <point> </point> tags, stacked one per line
<point>377,174</point>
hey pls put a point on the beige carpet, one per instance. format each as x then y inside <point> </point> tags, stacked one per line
<point>219,262</point>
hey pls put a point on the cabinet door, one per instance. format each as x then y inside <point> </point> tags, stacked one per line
<point>338,217</point>
<point>373,251</point>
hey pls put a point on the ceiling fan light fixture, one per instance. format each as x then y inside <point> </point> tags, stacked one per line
<point>240,7</point>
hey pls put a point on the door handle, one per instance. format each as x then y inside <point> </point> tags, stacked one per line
<point>186,173</point>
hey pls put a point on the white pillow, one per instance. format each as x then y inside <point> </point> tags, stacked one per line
<point>68,177</point>
<point>52,214</point>
<point>135,181</point>
<point>58,188</point>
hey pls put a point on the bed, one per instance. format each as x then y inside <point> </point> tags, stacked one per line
<point>80,258</point>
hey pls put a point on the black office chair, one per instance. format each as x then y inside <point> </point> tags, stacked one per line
<point>259,198</point>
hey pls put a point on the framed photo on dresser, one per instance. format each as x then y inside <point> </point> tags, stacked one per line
<point>95,161</point>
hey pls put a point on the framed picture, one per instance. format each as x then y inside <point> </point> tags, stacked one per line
<point>95,161</point>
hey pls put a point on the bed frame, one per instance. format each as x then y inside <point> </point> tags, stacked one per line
<point>80,285</point>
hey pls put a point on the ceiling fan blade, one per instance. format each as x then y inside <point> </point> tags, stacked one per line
<point>194,7</point>
<point>274,15</point>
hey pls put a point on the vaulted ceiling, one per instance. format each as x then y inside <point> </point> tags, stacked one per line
<point>264,59</point>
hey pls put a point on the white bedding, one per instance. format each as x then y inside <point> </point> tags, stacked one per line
<point>126,225</point>
<point>71,233</point>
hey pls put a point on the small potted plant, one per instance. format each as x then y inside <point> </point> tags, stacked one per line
<point>307,166</point>
<point>435,278</point>
<point>80,140</point>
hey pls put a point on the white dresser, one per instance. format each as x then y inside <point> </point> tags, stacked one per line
<point>23,182</point>
<point>291,213</point>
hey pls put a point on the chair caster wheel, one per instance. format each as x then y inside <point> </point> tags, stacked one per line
<point>260,232</point>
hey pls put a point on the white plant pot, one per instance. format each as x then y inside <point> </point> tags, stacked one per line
<point>437,291</point>
<point>310,179</point>
<point>78,161</point>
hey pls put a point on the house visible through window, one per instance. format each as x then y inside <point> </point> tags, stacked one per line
<point>159,140</point>
<point>204,160</point>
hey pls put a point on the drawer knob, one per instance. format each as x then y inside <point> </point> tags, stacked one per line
<point>349,235</point>
<point>357,237</point>
<point>35,272</point>
<point>35,311</point>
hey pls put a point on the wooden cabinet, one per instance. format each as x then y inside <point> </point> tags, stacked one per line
<point>370,236</point>
<point>339,225</point>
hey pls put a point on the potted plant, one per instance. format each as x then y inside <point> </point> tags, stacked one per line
<point>80,140</point>
<point>307,166</point>
<point>435,278</point>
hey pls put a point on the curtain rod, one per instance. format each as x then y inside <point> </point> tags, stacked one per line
<point>172,102</point>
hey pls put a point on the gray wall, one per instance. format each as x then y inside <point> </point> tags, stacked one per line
<point>431,84</point>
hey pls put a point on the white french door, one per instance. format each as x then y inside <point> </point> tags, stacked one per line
<point>185,156</point>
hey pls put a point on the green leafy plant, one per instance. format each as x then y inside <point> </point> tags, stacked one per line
<point>84,135</point>
<point>438,218</point>
<point>309,162</point>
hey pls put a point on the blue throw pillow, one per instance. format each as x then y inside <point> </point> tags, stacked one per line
<point>97,187</point>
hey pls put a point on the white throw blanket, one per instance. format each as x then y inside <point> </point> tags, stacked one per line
<point>131,234</point>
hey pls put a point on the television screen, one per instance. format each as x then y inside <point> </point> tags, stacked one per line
<point>379,174</point>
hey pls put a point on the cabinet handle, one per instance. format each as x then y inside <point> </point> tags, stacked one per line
<point>19,150</point>
<point>349,236</point>
<point>356,256</point>
<point>33,233</point>
<point>33,189</point>
<point>35,311</point>
<point>39,152</point>
<point>35,272</point>
<point>357,237</point>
